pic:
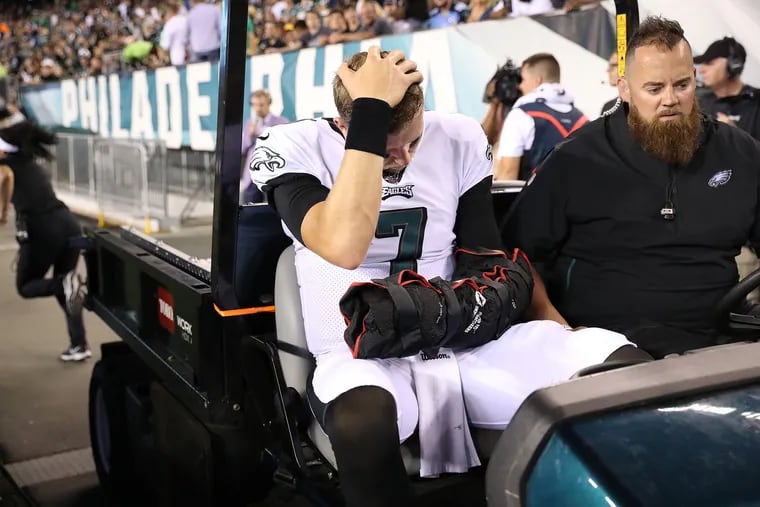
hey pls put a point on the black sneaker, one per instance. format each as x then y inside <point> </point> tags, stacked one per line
<point>73,292</point>
<point>78,353</point>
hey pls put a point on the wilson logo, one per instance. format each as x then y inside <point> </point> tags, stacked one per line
<point>165,309</point>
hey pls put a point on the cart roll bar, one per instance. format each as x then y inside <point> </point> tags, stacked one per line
<point>228,140</point>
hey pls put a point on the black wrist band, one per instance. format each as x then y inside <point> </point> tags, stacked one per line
<point>369,125</point>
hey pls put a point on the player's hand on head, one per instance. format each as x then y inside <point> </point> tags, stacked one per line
<point>381,78</point>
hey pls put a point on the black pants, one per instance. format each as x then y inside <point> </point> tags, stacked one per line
<point>47,246</point>
<point>252,194</point>
<point>660,340</point>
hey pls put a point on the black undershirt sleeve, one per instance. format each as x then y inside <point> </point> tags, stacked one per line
<point>292,196</point>
<point>475,225</point>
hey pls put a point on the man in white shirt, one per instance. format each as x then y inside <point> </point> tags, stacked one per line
<point>204,31</point>
<point>174,35</point>
<point>540,119</point>
<point>384,188</point>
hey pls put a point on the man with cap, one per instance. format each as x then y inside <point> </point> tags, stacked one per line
<point>724,96</point>
<point>49,70</point>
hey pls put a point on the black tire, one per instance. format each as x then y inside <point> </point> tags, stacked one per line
<point>112,450</point>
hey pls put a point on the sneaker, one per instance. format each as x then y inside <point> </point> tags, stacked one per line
<point>78,353</point>
<point>73,292</point>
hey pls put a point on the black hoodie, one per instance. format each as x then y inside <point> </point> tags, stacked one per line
<point>594,216</point>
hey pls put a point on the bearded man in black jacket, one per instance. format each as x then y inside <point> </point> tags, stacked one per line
<point>636,218</point>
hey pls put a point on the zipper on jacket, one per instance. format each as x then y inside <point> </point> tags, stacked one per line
<point>668,210</point>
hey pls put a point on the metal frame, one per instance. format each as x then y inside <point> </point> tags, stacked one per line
<point>228,138</point>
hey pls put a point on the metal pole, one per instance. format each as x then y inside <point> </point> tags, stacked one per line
<point>142,148</point>
<point>228,139</point>
<point>72,174</point>
<point>91,165</point>
<point>185,169</point>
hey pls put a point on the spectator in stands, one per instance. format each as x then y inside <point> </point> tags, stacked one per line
<point>444,13</point>
<point>96,67</point>
<point>316,34</point>
<point>336,22</point>
<point>352,18</point>
<point>372,25</point>
<point>373,19</point>
<point>50,71</point>
<point>123,9</point>
<point>612,77</point>
<point>84,57</point>
<point>252,42</point>
<point>204,31</point>
<point>273,40</point>
<point>407,15</point>
<point>262,118</point>
<point>726,97</point>
<point>136,55</point>
<point>540,119</point>
<point>28,73</point>
<point>174,35</point>
<point>294,38</point>
<point>280,9</point>
<point>480,10</point>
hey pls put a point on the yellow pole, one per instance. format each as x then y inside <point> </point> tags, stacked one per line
<point>622,42</point>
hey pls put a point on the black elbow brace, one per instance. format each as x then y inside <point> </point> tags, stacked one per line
<point>405,313</point>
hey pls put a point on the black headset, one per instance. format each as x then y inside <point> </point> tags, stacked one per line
<point>734,65</point>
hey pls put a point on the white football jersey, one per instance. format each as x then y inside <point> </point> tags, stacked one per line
<point>415,229</point>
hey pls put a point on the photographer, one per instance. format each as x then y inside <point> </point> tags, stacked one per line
<point>501,92</point>
<point>540,119</point>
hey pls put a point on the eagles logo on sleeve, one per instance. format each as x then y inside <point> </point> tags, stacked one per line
<point>489,153</point>
<point>265,158</point>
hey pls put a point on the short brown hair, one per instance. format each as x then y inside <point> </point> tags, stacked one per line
<point>401,115</point>
<point>545,65</point>
<point>656,31</point>
<point>262,93</point>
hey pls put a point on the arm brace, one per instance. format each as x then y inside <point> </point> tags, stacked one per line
<point>405,313</point>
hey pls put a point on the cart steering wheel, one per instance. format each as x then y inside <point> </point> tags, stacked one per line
<point>729,310</point>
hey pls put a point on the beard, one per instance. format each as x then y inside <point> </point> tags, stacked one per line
<point>673,141</point>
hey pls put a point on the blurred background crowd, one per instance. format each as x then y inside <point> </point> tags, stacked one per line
<point>47,40</point>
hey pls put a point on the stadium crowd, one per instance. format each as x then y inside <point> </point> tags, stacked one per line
<point>47,40</point>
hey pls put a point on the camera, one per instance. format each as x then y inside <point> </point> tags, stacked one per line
<point>506,84</point>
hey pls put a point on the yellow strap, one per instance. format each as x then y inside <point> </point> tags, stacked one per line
<point>622,42</point>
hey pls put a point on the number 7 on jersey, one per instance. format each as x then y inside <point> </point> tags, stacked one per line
<point>411,224</point>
